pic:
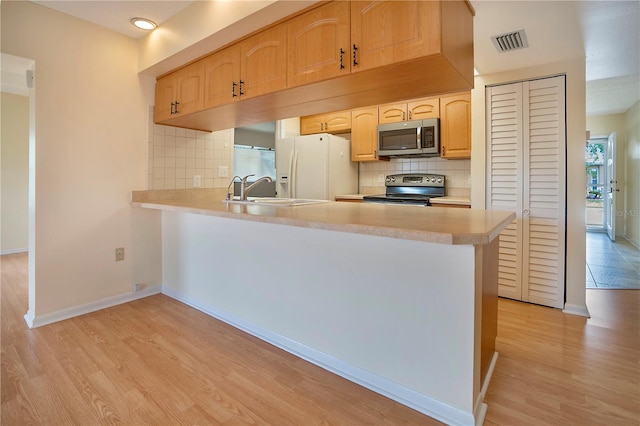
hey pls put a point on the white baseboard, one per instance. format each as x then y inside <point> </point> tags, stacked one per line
<point>39,321</point>
<point>576,310</point>
<point>402,394</point>
<point>14,251</point>
<point>633,243</point>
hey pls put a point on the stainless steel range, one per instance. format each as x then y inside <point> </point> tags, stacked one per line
<point>410,188</point>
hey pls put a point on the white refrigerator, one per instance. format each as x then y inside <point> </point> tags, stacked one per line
<point>315,167</point>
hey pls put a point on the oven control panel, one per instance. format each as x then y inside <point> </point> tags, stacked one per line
<point>415,179</point>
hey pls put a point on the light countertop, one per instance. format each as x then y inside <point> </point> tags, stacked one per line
<point>443,226</point>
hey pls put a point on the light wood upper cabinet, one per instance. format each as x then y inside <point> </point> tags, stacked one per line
<point>319,44</point>
<point>222,74</point>
<point>394,50</point>
<point>421,109</point>
<point>455,125</point>
<point>364,134</point>
<point>180,93</point>
<point>387,32</point>
<point>263,62</point>
<point>392,113</point>
<point>250,68</point>
<point>332,122</point>
<point>418,109</point>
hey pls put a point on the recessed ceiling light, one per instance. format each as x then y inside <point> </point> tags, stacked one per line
<point>143,23</point>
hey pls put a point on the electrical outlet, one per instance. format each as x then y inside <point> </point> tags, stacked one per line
<point>381,178</point>
<point>119,254</point>
<point>137,286</point>
<point>197,181</point>
<point>223,171</point>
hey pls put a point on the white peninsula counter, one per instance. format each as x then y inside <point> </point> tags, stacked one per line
<point>402,300</point>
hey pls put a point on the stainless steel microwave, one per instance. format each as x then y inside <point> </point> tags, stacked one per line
<point>417,138</point>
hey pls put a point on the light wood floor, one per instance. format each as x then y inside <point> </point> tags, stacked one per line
<point>157,361</point>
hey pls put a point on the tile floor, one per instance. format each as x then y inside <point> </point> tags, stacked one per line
<point>611,265</point>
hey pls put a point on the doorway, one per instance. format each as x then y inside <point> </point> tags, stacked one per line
<point>18,78</point>
<point>595,184</point>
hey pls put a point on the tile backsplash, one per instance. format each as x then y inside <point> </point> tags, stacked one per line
<point>177,155</point>
<point>457,173</point>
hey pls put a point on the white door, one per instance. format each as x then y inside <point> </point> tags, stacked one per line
<point>526,174</point>
<point>505,180</point>
<point>311,167</point>
<point>611,186</point>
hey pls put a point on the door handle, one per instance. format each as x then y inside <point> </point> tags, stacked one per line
<point>526,212</point>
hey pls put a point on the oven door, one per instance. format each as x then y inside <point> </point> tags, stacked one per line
<point>400,138</point>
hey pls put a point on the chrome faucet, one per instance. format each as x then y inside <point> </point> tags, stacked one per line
<point>244,188</point>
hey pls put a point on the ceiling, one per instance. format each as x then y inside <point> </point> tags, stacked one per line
<point>607,33</point>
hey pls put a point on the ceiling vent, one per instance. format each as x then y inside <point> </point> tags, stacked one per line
<point>510,41</point>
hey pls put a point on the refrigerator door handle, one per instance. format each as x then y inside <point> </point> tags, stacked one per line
<point>294,176</point>
<point>290,175</point>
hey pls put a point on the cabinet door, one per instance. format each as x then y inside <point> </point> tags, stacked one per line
<point>455,126</point>
<point>386,32</point>
<point>333,122</point>
<point>312,124</point>
<point>190,89</point>
<point>337,122</point>
<point>319,44</point>
<point>263,62</point>
<point>424,108</point>
<point>165,97</point>
<point>392,113</point>
<point>364,134</point>
<point>222,71</point>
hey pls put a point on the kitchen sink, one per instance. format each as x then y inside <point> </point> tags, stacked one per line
<point>276,202</point>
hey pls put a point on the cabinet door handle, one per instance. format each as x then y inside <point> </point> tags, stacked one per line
<point>355,57</point>
<point>444,151</point>
<point>403,116</point>
<point>526,212</point>
<point>409,115</point>
<point>233,89</point>
<point>173,108</point>
<point>322,127</point>
<point>176,111</point>
<point>241,84</point>
<point>341,58</point>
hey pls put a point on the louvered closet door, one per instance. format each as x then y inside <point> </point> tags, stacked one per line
<point>504,180</point>
<point>526,174</point>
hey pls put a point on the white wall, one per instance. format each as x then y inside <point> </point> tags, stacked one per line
<point>576,128</point>
<point>15,173</point>
<point>90,152</point>
<point>632,175</point>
